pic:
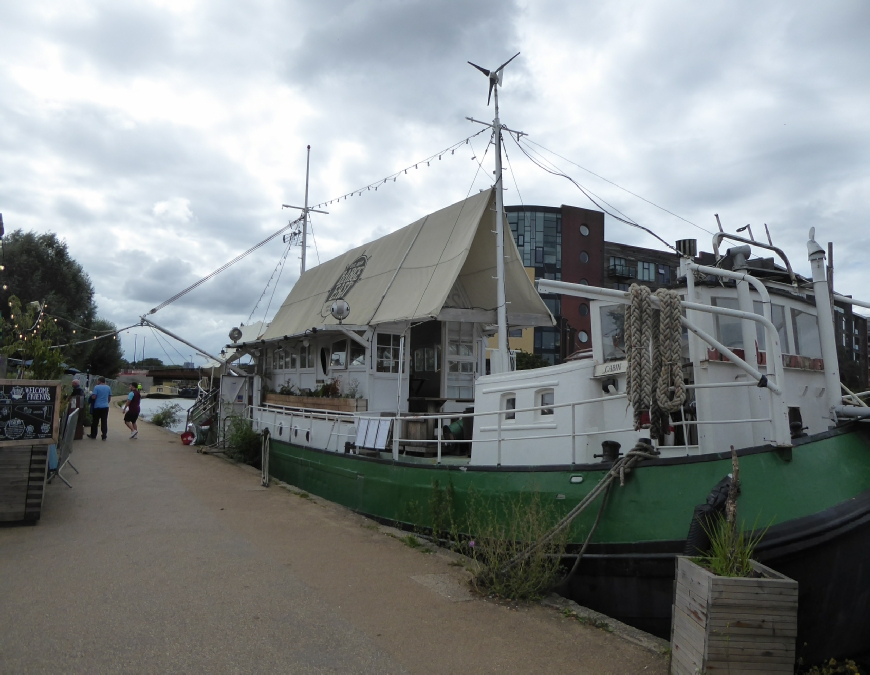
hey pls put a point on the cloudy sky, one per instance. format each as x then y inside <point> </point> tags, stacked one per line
<point>160,138</point>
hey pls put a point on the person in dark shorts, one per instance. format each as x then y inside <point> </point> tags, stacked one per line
<point>131,409</point>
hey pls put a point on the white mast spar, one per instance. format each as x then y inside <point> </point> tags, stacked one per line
<point>502,363</point>
<point>305,211</point>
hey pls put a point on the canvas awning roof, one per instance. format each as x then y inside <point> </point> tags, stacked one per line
<point>408,275</point>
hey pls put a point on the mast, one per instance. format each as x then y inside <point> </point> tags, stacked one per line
<point>504,359</point>
<point>501,364</point>
<point>305,213</point>
<point>295,236</point>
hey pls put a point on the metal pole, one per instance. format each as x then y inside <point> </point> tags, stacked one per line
<point>826,325</point>
<point>305,213</point>
<point>191,345</point>
<point>504,363</point>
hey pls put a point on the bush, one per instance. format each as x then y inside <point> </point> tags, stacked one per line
<point>509,528</point>
<point>167,415</point>
<point>243,443</point>
<point>500,531</point>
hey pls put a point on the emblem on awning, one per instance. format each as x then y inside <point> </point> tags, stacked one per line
<point>348,279</point>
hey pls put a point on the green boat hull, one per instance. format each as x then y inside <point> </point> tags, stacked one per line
<point>815,496</point>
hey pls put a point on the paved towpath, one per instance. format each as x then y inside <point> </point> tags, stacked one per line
<point>163,560</point>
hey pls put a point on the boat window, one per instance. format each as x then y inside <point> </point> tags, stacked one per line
<point>777,316</point>
<point>291,359</point>
<point>306,357</point>
<point>460,360</point>
<point>728,330</point>
<point>509,402</point>
<point>281,360</point>
<point>388,353</point>
<point>357,354</point>
<point>545,397</point>
<point>613,332</point>
<point>339,354</point>
<point>274,359</point>
<point>806,334</point>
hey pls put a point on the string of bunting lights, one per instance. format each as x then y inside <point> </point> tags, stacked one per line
<point>393,176</point>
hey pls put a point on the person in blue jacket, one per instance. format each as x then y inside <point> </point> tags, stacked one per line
<point>100,397</point>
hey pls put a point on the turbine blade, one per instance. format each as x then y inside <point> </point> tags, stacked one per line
<point>491,85</point>
<point>499,69</point>
<point>482,70</point>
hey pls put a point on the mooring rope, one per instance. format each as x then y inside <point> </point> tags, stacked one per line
<point>641,451</point>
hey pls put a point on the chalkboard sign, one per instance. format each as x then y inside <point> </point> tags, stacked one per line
<point>29,412</point>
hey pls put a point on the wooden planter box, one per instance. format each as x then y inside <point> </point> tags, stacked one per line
<point>732,625</point>
<point>22,482</point>
<point>318,403</point>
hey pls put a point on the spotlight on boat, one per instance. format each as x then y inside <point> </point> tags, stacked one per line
<point>236,334</point>
<point>340,310</point>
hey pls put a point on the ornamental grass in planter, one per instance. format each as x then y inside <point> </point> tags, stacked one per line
<point>731,614</point>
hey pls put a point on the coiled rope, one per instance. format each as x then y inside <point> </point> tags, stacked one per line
<point>653,346</point>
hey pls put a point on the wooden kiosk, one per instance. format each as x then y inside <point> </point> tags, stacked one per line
<point>29,423</point>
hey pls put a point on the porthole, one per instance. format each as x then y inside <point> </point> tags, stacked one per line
<point>583,336</point>
<point>584,230</point>
<point>584,257</point>
<point>584,310</point>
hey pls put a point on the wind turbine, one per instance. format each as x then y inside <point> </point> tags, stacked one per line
<point>495,80</point>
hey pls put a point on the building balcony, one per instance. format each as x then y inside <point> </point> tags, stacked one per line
<point>622,272</point>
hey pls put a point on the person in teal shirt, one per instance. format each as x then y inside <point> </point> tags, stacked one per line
<point>100,396</point>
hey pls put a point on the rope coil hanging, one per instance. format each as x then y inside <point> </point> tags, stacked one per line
<point>653,346</point>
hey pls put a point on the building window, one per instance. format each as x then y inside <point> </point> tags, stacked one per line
<point>664,274</point>
<point>584,309</point>
<point>646,271</point>
<point>583,282</point>
<point>584,257</point>
<point>584,230</point>
<point>388,353</point>
<point>515,333</point>
<point>583,336</point>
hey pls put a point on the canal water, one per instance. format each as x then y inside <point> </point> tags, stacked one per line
<point>149,406</point>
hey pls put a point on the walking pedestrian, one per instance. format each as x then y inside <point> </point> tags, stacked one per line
<point>100,397</point>
<point>131,410</point>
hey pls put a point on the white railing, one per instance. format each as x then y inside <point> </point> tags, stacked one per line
<point>275,416</point>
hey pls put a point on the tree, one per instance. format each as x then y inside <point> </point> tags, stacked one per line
<point>38,267</point>
<point>526,361</point>
<point>29,337</point>
<point>104,357</point>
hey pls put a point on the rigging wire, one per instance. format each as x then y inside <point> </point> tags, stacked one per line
<point>456,222</point>
<point>157,337</point>
<point>275,288</point>
<point>93,339</point>
<point>314,239</point>
<point>633,194</point>
<point>556,168</point>
<point>382,181</point>
<point>590,197</point>
<point>224,266</point>
<point>280,264</point>
<point>513,175</point>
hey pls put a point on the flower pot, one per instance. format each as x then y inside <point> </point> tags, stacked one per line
<point>732,624</point>
<point>318,403</point>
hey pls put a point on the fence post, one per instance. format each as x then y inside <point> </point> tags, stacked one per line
<point>438,436</point>
<point>264,459</point>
